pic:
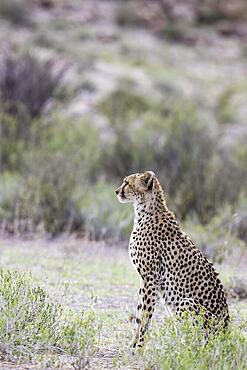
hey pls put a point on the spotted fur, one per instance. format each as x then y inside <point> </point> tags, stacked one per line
<point>169,264</point>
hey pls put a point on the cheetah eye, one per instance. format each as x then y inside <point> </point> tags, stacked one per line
<point>126,183</point>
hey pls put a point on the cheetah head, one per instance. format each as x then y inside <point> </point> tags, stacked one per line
<point>136,188</point>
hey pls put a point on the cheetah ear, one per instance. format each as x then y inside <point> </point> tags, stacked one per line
<point>148,177</point>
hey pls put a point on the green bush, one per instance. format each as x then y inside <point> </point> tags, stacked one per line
<point>200,178</point>
<point>26,86</point>
<point>229,106</point>
<point>123,105</point>
<point>44,196</point>
<point>32,326</point>
<point>220,238</point>
<point>59,175</point>
<point>105,217</point>
<point>170,139</point>
<point>127,15</point>
<point>184,161</point>
<point>11,146</point>
<point>126,150</point>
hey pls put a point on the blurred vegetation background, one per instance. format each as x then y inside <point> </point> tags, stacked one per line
<point>91,91</point>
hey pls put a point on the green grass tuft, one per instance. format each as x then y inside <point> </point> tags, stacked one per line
<point>33,328</point>
<point>183,347</point>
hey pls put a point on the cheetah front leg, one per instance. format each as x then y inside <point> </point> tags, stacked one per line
<point>145,309</point>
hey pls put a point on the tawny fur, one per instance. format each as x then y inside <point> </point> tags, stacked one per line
<point>169,264</point>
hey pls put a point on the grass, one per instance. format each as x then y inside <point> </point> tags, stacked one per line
<point>33,328</point>
<point>181,346</point>
<point>86,292</point>
<point>74,306</point>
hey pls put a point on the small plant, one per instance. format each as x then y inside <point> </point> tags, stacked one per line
<point>127,15</point>
<point>170,139</point>
<point>46,196</point>
<point>32,326</point>
<point>123,105</point>
<point>27,84</point>
<point>217,239</point>
<point>104,216</point>
<point>182,345</point>
<point>238,288</point>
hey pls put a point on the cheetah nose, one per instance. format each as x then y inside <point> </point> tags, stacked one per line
<point>117,191</point>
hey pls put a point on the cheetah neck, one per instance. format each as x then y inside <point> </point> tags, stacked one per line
<point>152,205</point>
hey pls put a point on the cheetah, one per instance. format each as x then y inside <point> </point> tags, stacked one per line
<point>169,264</point>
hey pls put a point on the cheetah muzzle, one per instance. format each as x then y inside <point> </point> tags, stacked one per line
<point>169,264</point>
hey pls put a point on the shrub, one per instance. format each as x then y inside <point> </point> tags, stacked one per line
<point>31,325</point>
<point>218,239</point>
<point>232,220</point>
<point>105,217</point>
<point>165,138</point>
<point>184,159</point>
<point>199,177</point>
<point>127,15</point>
<point>44,197</point>
<point>124,110</point>
<point>50,169</point>
<point>180,345</point>
<point>238,288</point>
<point>170,139</point>
<point>227,178</point>
<point>239,225</point>
<point>11,146</point>
<point>26,86</point>
<point>15,11</point>
<point>224,110</point>
<point>123,105</point>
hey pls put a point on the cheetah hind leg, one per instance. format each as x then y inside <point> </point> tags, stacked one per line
<point>199,315</point>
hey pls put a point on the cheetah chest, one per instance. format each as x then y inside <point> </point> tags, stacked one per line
<point>142,252</point>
